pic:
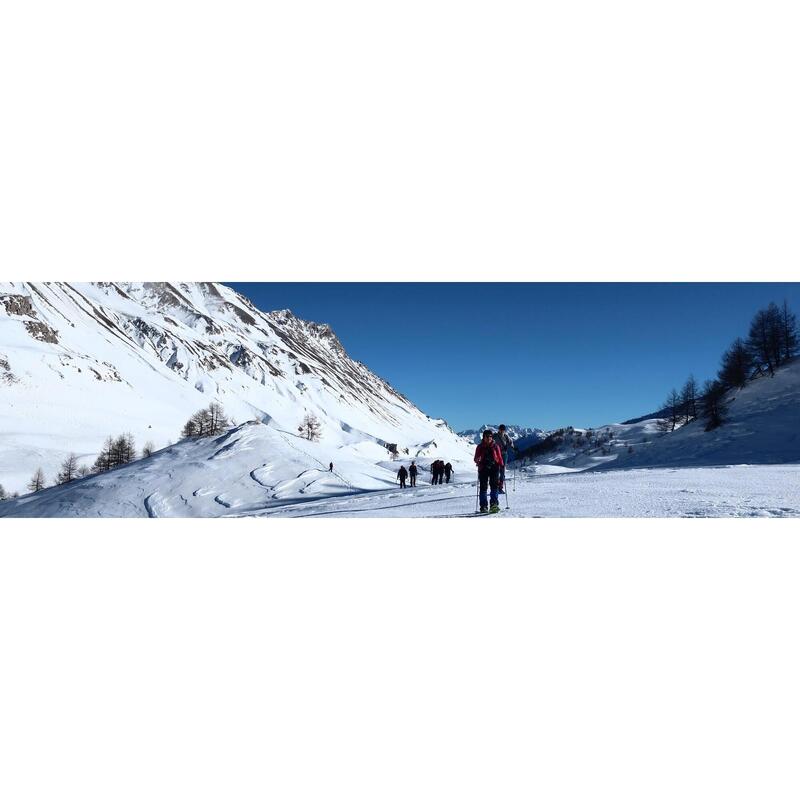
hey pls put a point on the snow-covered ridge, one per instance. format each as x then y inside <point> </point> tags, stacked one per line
<point>80,361</point>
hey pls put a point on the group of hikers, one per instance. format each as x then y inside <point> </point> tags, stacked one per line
<point>491,457</point>
<point>439,471</point>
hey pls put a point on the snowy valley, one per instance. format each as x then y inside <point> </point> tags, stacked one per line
<point>79,362</point>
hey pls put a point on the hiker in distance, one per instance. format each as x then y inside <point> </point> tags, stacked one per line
<point>448,471</point>
<point>504,442</point>
<point>330,468</point>
<point>412,474</point>
<point>489,460</point>
<point>402,474</point>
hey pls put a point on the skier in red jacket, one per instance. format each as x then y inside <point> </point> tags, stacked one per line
<point>489,460</point>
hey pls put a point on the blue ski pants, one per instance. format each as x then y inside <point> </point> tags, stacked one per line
<point>490,476</point>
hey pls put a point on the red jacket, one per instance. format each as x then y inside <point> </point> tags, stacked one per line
<point>494,452</point>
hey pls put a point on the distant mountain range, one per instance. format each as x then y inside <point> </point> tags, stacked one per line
<point>521,436</point>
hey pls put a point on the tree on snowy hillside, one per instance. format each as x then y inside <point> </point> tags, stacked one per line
<point>69,469</point>
<point>673,408</point>
<point>737,363</point>
<point>765,338</point>
<point>217,421</point>
<point>123,450</point>
<point>37,482</point>
<point>209,421</point>
<point>789,337</point>
<point>115,452</point>
<point>713,409</point>
<point>103,463</point>
<point>147,450</point>
<point>311,428</point>
<point>689,399</point>
<point>3,495</point>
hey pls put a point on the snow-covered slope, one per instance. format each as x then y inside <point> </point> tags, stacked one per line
<point>81,361</point>
<point>247,470</point>
<point>255,470</point>
<point>762,427</point>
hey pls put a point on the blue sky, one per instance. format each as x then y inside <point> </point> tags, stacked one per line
<point>540,354</point>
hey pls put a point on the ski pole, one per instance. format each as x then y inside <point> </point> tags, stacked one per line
<point>477,494</point>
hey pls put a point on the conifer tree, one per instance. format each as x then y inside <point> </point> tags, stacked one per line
<point>37,482</point>
<point>105,460</point>
<point>672,406</point>
<point>737,363</point>
<point>69,469</point>
<point>764,338</point>
<point>689,399</point>
<point>310,428</point>
<point>712,406</point>
<point>788,333</point>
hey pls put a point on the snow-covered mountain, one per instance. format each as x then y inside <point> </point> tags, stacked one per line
<point>80,361</point>
<point>521,436</point>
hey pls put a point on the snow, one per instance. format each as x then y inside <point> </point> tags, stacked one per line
<point>259,470</point>
<point>246,470</point>
<point>740,491</point>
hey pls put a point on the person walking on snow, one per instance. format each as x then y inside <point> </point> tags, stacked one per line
<point>448,471</point>
<point>412,474</point>
<point>489,460</point>
<point>330,468</point>
<point>504,442</point>
<point>402,474</point>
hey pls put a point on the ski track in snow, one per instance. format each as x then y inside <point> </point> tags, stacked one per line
<point>737,491</point>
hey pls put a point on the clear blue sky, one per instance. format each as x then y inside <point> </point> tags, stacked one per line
<point>539,354</point>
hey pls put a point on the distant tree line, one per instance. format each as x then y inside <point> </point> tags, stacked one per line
<point>115,452</point>
<point>771,342</point>
<point>120,450</point>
